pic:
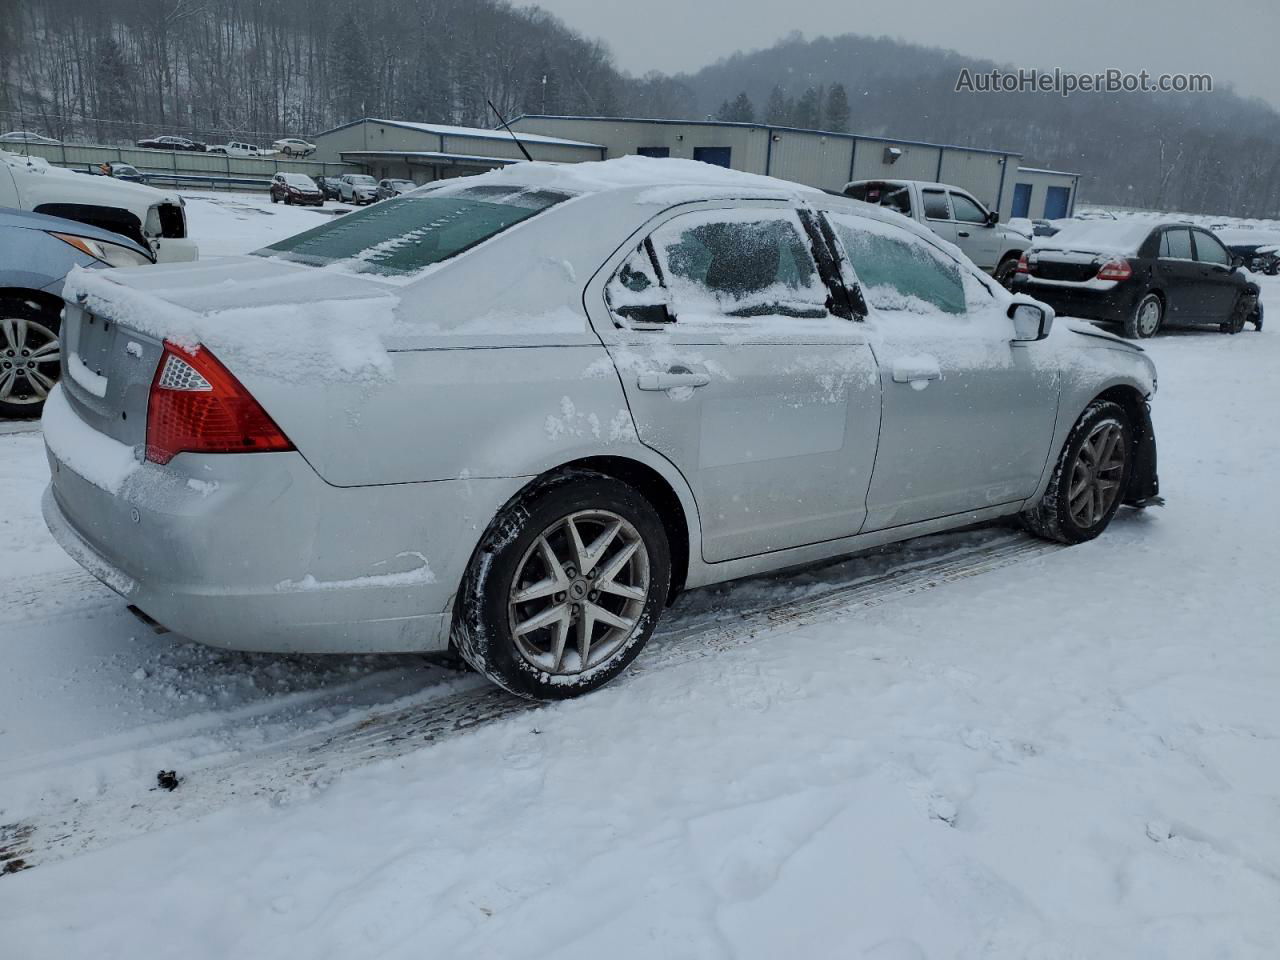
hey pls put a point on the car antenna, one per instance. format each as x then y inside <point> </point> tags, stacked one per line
<point>507,126</point>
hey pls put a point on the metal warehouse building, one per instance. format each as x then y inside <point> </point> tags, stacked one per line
<point>432,151</point>
<point>823,159</point>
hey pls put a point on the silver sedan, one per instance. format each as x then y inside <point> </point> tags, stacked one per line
<point>514,414</point>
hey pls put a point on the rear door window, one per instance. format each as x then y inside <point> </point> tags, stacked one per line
<point>740,264</point>
<point>898,272</point>
<point>406,233</point>
<point>935,205</point>
<point>1176,245</point>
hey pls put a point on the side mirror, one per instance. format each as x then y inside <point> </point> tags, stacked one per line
<point>993,217</point>
<point>1031,321</point>
<point>1237,263</point>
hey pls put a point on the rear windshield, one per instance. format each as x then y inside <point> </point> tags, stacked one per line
<point>404,234</point>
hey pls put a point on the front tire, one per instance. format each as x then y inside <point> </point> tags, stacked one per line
<point>565,588</point>
<point>1146,319</point>
<point>30,355</point>
<point>1090,478</point>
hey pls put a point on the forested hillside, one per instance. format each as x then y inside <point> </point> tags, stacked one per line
<point>259,69</point>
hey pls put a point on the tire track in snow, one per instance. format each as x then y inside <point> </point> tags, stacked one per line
<point>298,765</point>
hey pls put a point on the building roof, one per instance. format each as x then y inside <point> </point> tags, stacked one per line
<point>1056,173</point>
<point>426,156</point>
<point>770,127</point>
<point>445,130</point>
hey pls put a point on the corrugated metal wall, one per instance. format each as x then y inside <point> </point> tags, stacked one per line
<point>816,160</point>
<point>979,173</point>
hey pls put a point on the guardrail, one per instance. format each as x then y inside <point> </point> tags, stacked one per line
<point>214,168</point>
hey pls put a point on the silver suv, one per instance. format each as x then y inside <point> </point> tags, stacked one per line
<point>516,413</point>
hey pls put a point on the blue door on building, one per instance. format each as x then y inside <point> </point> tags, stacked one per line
<point>654,151</point>
<point>1056,201</point>
<point>1021,200</point>
<point>717,155</point>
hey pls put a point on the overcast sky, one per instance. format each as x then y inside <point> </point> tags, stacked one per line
<point>1235,41</point>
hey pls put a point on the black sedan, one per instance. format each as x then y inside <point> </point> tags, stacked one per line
<point>171,143</point>
<point>1140,274</point>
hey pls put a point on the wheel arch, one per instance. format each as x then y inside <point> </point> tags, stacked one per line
<point>1143,481</point>
<point>42,297</point>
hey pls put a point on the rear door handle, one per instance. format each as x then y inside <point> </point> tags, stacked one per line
<point>673,379</point>
<point>916,369</point>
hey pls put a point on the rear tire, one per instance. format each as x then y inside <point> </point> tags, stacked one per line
<point>1090,478</point>
<point>529,551</point>
<point>1146,319</point>
<point>29,354</point>
<point>1005,272</point>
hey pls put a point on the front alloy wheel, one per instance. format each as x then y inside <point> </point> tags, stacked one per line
<point>30,356</point>
<point>565,587</point>
<point>1090,478</point>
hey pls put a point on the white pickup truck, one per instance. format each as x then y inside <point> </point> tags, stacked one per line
<point>954,215</point>
<point>154,218</point>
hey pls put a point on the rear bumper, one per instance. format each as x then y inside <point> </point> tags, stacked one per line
<point>1112,305</point>
<point>264,555</point>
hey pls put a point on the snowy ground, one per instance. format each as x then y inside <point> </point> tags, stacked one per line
<point>973,746</point>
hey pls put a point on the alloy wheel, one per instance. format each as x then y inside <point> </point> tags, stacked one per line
<point>1097,474</point>
<point>578,592</point>
<point>29,359</point>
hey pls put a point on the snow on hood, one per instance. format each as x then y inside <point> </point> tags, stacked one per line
<point>633,172</point>
<point>262,315</point>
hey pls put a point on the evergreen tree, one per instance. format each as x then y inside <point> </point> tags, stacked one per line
<point>778,109</point>
<point>808,113</point>
<point>836,115</point>
<point>741,110</point>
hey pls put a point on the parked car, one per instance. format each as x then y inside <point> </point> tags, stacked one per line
<point>1140,274</point>
<point>393,188</point>
<point>1259,250</point>
<point>296,188</point>
<point>171,143</point>
<point>36,253</point>
<point>26,136</point>
<point>331,187</point>
<point>954,215</point>
<point>666,389</point>
<point>156,219</point>
<point>293,147</point>
<point>235,148</point>
<point>357,188</point>
<point>121,171</point>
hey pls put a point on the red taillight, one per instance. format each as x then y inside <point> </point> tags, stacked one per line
<point>1117,269</point>
<point>197,406</point>
<point>1022,264</point>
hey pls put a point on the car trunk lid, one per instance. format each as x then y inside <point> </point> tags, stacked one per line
<point>1073,266</point>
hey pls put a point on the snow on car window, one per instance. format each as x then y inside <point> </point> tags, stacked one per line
<point>899,272</point>
<point>741,264</point>
<point>402,235</point>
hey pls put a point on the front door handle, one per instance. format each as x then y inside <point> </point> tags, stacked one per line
<point>673,378</point>
<point>963,233</point>
<point>916,370</point>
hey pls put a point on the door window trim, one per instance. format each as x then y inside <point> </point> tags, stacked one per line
<point>924,206</point>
